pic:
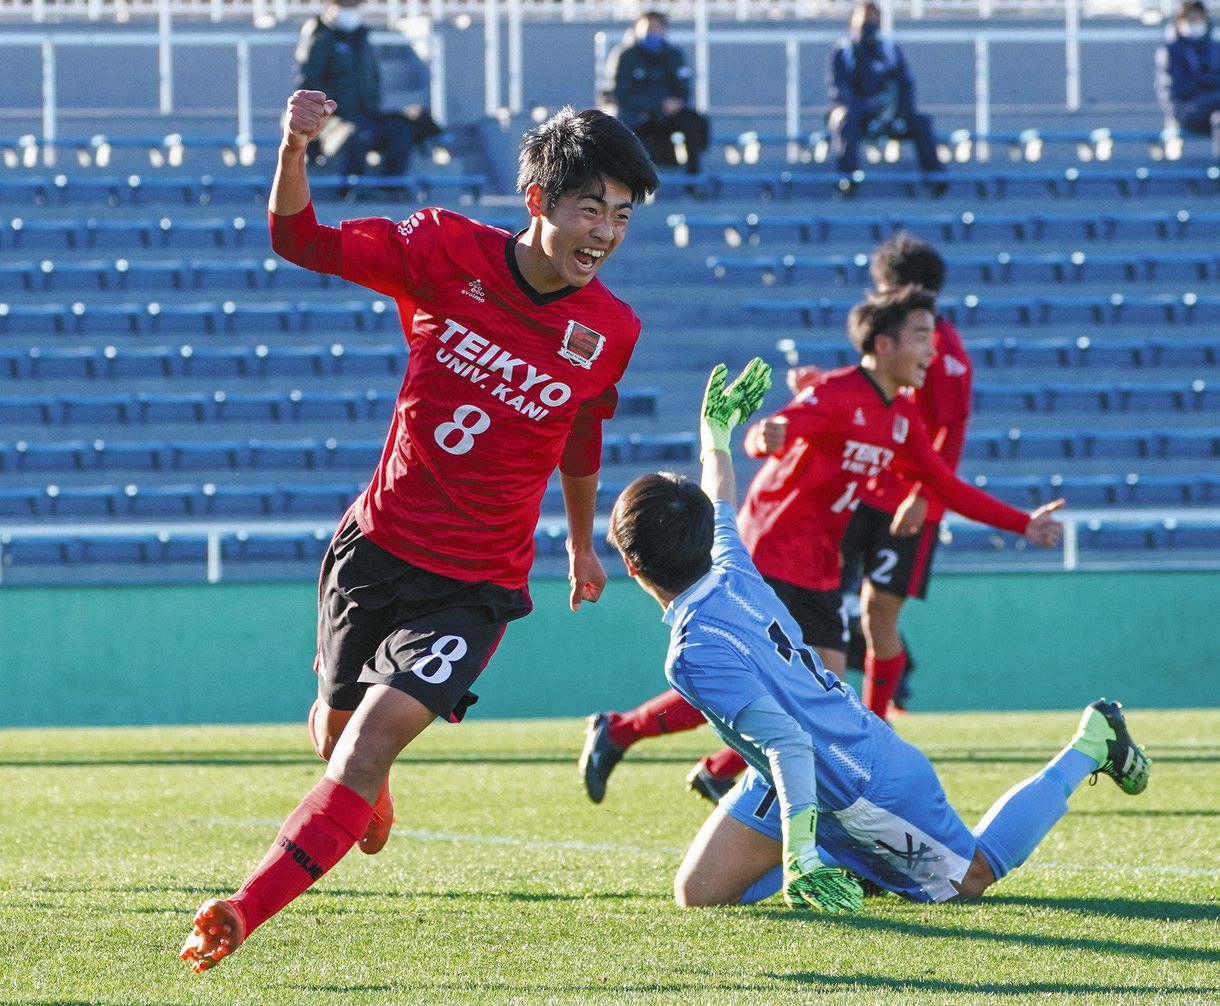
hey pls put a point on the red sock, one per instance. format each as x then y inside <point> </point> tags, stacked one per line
<point>668,713</point>
<point>725,764</point>
<point>315,836</point>
<point>881,680</point>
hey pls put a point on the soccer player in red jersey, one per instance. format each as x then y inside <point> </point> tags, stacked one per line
<point>516,348</point>
<point>893,533</point>
<point>823,450</point>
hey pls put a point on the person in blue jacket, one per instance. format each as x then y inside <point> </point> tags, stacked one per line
<point>872,93</point>
<point>1188,73</point>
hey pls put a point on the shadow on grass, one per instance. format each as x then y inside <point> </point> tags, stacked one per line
<point>897,927</point>
<point>1122,908</point>
<point>985,988</point>
<point>224,759</point>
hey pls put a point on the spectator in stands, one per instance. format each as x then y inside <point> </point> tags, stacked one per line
<point>1188,73</point>
<point>649,82</point>
<point>872,94</point>
<point>335,55</point>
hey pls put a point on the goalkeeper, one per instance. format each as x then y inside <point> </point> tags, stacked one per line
<point>832,792</point>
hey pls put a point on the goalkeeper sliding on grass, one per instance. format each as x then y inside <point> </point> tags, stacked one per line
<point>833,794</point>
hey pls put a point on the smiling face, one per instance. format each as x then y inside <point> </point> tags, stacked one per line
<point>568,243</point>
<point>903,360</point>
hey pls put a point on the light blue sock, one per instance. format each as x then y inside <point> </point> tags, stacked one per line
<point>764,887</point>
<point>1023,816</point>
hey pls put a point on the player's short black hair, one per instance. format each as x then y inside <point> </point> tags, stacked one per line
<point>905,259</point>
<point>577,151</point>
<point>1188,7</point>
<point>664,523</point>
<point>884,312</point>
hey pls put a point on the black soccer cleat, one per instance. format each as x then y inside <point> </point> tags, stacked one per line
<point>599,756</point>
<point>1103,736</point>
<point>702,783</point>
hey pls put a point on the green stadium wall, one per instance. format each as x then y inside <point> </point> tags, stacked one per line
<point>232,653</point>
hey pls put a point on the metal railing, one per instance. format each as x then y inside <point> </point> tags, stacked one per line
<point>1072,557</point>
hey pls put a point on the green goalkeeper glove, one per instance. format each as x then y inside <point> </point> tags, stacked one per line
<point>724,408</point>
<point>807,882</point>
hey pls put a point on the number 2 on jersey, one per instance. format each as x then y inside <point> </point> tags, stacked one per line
<point>465,429</point>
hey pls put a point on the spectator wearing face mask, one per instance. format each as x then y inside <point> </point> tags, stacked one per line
<point>872,93</point>
<point>649,82</point>
<point>1188,73</point>
<point>336,56</point>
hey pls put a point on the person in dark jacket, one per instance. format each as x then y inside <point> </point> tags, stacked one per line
<point>335,55</point>
<point>872,93</point>
<point>649,81</point>
<point>1188,73</point>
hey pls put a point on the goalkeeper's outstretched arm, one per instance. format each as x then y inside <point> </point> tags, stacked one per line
<point>724,408</point>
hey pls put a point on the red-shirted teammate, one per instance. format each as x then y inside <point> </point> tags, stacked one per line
<point>515,350</point>
<point>893,533</point>
<point>823,449</point>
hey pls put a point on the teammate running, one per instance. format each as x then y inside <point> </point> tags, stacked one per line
<point>830,787</point>
<point>837,436</point>
<point>516,349</point>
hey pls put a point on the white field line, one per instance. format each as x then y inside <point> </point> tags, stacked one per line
<point>634,848</point>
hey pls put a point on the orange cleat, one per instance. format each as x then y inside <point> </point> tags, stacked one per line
<point>219,930</point>
<point>378,832</point>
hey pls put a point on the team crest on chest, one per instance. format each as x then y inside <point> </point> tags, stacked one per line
<point>902,427</point>
<point>581,345</point>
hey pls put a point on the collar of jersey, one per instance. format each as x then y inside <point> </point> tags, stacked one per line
<point>877,388</point>
<point>536,298</point>
<point>697,591</point>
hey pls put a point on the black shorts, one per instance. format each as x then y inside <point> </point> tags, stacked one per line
<point>384,621</point>
<point>901,566</point>
<point>819,613</point>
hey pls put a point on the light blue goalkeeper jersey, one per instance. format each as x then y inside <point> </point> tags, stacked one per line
<point>732,641</point>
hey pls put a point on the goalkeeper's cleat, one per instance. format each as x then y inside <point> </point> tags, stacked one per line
<point>702,783</point>
<point>218,930</point>
<point>868,888</point>
<point>599,756</point>
<point>825,888</point>
<point>1103,736</point>
<point>378,832</point>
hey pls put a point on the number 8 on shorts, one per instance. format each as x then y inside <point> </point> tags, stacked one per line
<point>436,665</point>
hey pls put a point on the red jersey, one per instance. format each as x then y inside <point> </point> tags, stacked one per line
<point>944,404</point>
<point>503,384</point>
<point>842,434</point>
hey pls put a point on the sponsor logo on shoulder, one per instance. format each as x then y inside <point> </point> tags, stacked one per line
<point>902,426</point>
<point>407,227</point>
<point>474,290</point>
<point>954,367</point>
<point>581,345</point>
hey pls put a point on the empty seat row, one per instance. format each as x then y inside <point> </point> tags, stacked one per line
<point>126,234</point>
<point>752,229</point>
<point>205,318</point>
<point>1082,445</point>
<point>1199,351</point>
<point>63,457</point>
<point>992,268</point>
<point>981,310</point>
<point>1085,491</point>
<point>1097,397</point>
<point>90,363</point>
<point>1169,534</point>
<point>90,276</point>
<point>174,502</point>
<point>182,189</point>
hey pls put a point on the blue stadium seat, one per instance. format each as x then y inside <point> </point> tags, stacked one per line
<point>1120,445</point>
<point>321,500</point>
<point>254,318</point>
<point>290,361</point>
<point>82,502</point>
<point>1086,490</point>
<point>52,456</point>
<point>72,278</point>
<point>1154,397</point>
<point>659,447</point>
<point>1162,490</point>
<point>341,317</point>
<point>638,402</point>
<point>1193,534</point>
<point>984,445</point>
<point>240,500</point>
<point>158,276</point>
<point>281,275</point>
<point>182,408</point>
<point>213,275</point>
<point>20,551</point>
<point>1022,491</point>
<point>973,538</point>
<point>123,235</point>
<point>1191,351</point>
<point>96,319</point>
<point>248,406</point>
<point>1202,444</point>
<point>229,188</point>
<point>164,318</point>
<point>1080,397</point>
<point>97,408</point>
<point>21,502</point>
<point>19,277</point>
<point>1183,265</point>
<point>183,548</point>
<point>186,234</point>
<point>207,455</point>
<point>1113,351</point>
<point>368,361</point>
<point>44,235</point>
<point>127,549</point>
<point>1041,353</point>
<point>221,362</point>
<point>34,319</point>
<point>27,410</point>
<point>269,546</point>
<point>14,364</point>
<point>353,454</point>
<point>304,453</point>
<point>123,363</point>
<point>1007,397</point>
<point>130,455</point>
<point>1029,445</point>
<point>82,363</point>
<point>165,501</point>
<point>1125,537</point>
<point>324,406</point>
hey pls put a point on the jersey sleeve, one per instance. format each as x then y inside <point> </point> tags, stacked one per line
<point>712,675</point>
<point>391,258</point>
<point>921,463</point>
<point>727,547</point>
<point>299,238</point>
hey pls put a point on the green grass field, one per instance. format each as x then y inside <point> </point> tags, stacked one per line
<point>503,884</point>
